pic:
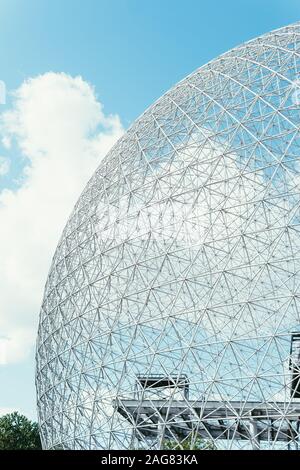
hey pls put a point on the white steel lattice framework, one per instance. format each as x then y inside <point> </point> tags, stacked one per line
<point>172,305</point>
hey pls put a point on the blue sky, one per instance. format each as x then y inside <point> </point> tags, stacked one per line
<point>130,52</point>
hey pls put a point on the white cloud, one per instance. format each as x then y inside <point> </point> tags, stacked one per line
<point>4,166</point>
<point>6,142</point>
<point>63,133</point>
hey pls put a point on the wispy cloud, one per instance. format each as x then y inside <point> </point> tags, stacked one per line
<point>4,166</point>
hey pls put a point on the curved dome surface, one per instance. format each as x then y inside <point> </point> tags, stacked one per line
<point>171,310</point>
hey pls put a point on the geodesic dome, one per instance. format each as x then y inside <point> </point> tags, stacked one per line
<point>171,310</point>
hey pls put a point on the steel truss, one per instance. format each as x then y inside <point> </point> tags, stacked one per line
<point>181,258</point>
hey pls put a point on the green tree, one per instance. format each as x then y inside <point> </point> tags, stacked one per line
<point>190,443</point>
<point>18,432</point>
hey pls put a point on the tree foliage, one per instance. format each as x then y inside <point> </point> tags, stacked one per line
<point>18,432</point>
<point>190,443</point>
